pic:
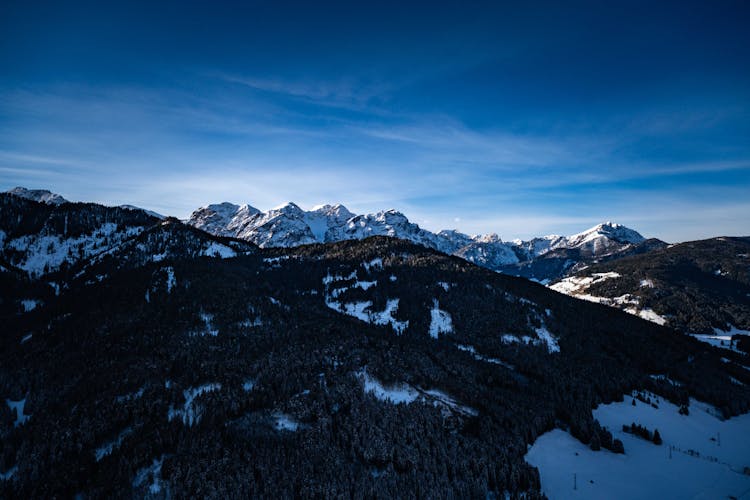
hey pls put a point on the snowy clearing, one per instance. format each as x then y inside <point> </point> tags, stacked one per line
<point>440,321</point>
<point>707,456</point>
<point>284,422</point>
<point>189,413</point>
<point>214,249</point>
<point>403,393</point>
<point>18,407</point>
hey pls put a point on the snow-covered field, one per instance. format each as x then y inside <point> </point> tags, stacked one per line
<point>701,456</point>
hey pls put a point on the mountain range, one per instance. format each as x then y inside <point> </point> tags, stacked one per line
<point>543,259</point>
<point>148,358</point>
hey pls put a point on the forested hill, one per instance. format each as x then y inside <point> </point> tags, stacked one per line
<point>361,368</point>
<point>696,287</point>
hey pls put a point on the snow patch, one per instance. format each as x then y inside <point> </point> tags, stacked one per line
<point>376,263</point>
<point>218,250</point>
<point>284,422</point>
<point>152,475</point>
<point>18,407</point>
<point>109,447</point>
<point>706,454</point>
<point>190,413</point>
<point>29,304</point>
<point>440,321</point>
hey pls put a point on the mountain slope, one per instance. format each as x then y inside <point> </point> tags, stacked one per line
<point>694,287</point>
<point>374,367</point>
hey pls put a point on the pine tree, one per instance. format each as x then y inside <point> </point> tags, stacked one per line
<point>657,437</point>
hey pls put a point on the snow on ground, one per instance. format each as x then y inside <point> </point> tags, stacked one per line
<point>576,286</point>
<point>26,338</point>
<point>189,413</point>
<point>29,304</point>
<point>248,385</point>
<point>171,281</point>
<point>362,309</point>
<point>46,253</point>
<point>109,447</point>
<point>376,263</point>
<point>18,407</point>
<point>284,422</point>
<point>546,337</point>
<point>579,284</point>
<point>445,286</point>
<point>214,249</point>
<point>722,338</point>
<point>209,329</point>
<point>8,474</point>
<point>440,321</point>
<point>386,317</point>
<point>393,277</point>
<point>151,476</point>
<point>647,314</point>
<point>403,393</point>
<point>713,469</point>
<point>666,379</point>
<point>479,357</point>
<point>395,394</point>
<point>131,396</point>
<point>441,399</point>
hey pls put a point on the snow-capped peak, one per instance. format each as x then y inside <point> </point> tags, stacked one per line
<point>39,195</point>
<point>610,230</point>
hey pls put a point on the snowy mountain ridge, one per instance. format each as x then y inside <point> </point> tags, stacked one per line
<point>289,225</point>
<point>40,195</point>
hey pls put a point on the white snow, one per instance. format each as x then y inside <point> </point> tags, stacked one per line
<point>480,357</point>
<point>647,284</point>
<point>403,393</point>
<point>723,338</point>
<point>440,321</point>
<point>707,456</point>
<point>109,447</point>
<point>376,263</point>
<point>392,277</point>
<point>218,250</point>
<point>209,329</point>
<point>8,474</point>
<point>18,407</point>
<point>386,317</point>
<point>647,314</point>
<point>395,394</point>
<point>248,385</point>
<point>189,413</point>
<point>445,286</point>
<point>29,304</point>
<point>46,253</point>
<point>171,281</point>
<point>284,422</point>
<point>26,338</point>
<point>152,473</point>
<point>546,337</point>
<point>441,399</point>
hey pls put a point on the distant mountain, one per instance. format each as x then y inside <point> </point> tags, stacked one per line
<point>542,259</point>
<point>40,195</point>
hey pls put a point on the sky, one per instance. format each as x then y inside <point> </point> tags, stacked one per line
<point>520,118</point>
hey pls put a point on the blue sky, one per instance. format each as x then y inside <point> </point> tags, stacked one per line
<point>521,118</point>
